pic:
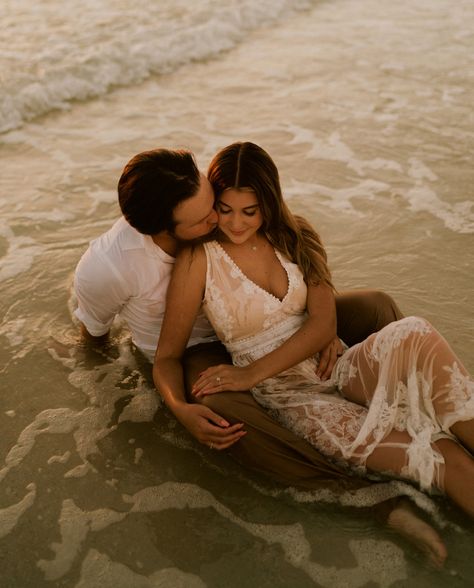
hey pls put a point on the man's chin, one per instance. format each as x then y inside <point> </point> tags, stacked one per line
<point>198,240</point>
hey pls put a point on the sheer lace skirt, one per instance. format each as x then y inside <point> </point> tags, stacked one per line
<point>400,390</point>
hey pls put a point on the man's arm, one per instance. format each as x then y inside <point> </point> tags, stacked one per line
<point>183,301</point>
<point>100,295</point>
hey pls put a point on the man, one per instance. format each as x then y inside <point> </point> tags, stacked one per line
<point>166,201</point>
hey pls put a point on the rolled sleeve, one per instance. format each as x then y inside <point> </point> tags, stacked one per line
<point>100,294</point>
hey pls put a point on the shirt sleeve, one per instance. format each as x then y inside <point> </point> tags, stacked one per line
<point>101,292</point>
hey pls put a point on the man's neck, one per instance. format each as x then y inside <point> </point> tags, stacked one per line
<point>166,242</point>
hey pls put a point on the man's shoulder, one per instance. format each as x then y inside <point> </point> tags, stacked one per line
<point>125,254</point>
<point>109,250</point>
<point>121,244</point>
<point>120,237</point>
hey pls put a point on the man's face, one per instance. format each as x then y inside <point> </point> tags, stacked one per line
<point>196,217</point>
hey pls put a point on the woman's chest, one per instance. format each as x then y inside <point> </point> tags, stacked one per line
<point>263,270</point>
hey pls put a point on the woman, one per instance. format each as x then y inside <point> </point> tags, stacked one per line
<point>398,403</point>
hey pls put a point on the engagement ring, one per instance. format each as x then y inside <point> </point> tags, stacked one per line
<point>218,379</point>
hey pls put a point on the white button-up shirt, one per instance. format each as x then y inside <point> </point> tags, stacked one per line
<point>125,273</point>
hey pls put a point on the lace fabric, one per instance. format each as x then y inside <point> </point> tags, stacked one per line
<point>399,390</point>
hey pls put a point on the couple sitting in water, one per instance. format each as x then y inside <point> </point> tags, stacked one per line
<point>281,391</point>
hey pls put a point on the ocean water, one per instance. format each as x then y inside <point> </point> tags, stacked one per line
<point>366,107</point>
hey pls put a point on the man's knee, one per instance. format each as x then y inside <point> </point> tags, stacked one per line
<point>363,312</point>
<point>385,308</point>
<point>233,406</point>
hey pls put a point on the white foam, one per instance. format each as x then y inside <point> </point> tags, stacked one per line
<point>80,471</point>
<point>10,515</point>
<point>99,571</point>
<point>333,148</point>
<point>53,215</point>
<point>20,254</point>
<point>59,421</point>
<point>59,458</point>
<point>142,407</point>
<point>420,171</point>
<point>71,56</point>
<point>12,330</point>
<point>377,561</point>
<point>138,455</point>
<point>390,566</point>
<point>75,524</point>
<point>91,424</point>
<point>339,199</point>
<point>458,216</point>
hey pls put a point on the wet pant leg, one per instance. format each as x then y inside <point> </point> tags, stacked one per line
<point>363,312</point>
<point>270,448</point>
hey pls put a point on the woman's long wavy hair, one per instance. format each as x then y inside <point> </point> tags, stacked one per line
<point>246,165</point>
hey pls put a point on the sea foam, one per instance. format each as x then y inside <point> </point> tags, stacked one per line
<point>87,48</point>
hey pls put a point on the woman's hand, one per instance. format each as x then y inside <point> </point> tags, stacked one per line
<point>328,357</point>
<point>223,378</point>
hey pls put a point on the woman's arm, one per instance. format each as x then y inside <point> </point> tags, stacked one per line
<point>316,333</point>
<point>183,301</point>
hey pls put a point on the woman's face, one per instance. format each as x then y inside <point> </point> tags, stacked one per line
<point>239,215</point>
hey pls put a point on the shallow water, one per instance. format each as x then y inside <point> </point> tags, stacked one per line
<point>366,108</point>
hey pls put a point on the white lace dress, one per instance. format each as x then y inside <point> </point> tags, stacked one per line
<point>404,378</point>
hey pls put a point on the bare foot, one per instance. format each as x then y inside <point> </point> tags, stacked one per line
<point>404,520</point>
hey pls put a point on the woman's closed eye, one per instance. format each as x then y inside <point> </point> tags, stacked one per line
<point>251,212</point>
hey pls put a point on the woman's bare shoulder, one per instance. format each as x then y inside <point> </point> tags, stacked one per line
<point>191,256</point>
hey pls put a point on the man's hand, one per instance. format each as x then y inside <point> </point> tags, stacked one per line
<point>223,378</point>
<point>328,357</point>
<point>208,427</point>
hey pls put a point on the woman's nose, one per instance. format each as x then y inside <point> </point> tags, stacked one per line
<point>236,222</point>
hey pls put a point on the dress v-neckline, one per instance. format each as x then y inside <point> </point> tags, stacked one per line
<point>245,277</point>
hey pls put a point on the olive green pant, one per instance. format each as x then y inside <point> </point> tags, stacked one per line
<point>268,447</point>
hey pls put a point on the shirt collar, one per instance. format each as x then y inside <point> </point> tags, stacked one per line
<point>132,239</point>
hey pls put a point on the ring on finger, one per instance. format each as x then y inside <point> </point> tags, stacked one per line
<point>211,445</point>
<point>218,379</point>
